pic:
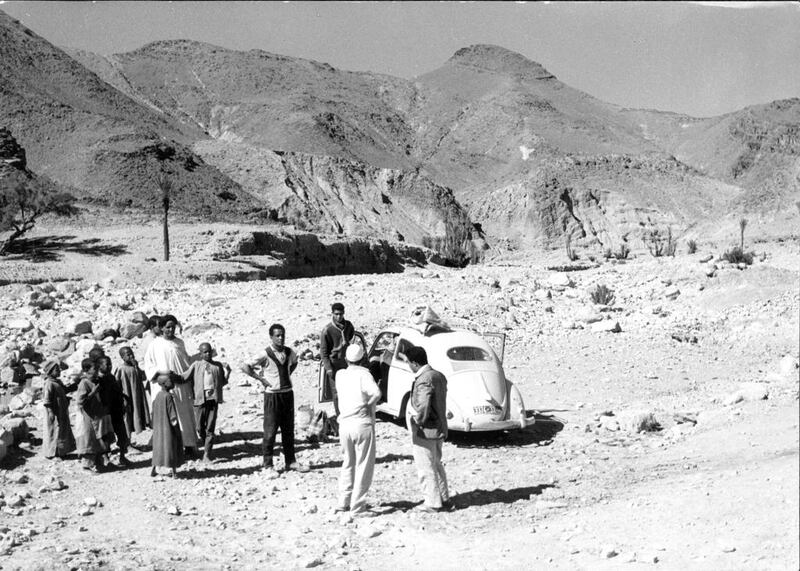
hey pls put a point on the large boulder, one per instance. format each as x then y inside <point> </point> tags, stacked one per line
<point>20,401</point>
<point>131,330</point>
<point>17,426</point>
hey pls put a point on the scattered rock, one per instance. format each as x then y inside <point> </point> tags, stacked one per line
<point>639,421</point>
<point>606,326</point>
<point>20,324</point>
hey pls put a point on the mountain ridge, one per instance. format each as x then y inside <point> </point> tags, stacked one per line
<point>488,123</point>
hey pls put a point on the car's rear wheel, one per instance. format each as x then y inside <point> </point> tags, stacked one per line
<point>403,406</point>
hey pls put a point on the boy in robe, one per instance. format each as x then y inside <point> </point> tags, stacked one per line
<point>95,434</point>
<point>132,382</point>
<point>58,438</point>
<point>167,442</point>
<point>115,401</point>
<point>207,377</point>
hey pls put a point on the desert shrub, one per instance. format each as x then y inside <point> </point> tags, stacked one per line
<point>571,255</point>
<point>602,295</point>
<point>622,253</point>
<point>456,249</point>
<point>691,246</point>
<point>738,256</point>
<point>607,253</point>
<point>22,202</point>
<point>661,244</point>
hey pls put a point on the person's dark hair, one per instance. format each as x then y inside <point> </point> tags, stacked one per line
<point>276,327</point>
<point>417,354</point>
<point>153,321</point>
<point>338,306</point>
<point>164,319</point>
<point>96,353</point>
<point>87,364</point>
<point>123,349</point>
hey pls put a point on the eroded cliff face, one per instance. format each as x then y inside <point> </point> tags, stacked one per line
<point>574,197</point>
<point>343,197</point>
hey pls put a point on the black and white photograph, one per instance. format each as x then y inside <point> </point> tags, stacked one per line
<point>399,285</point>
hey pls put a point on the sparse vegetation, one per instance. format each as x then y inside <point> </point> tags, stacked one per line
<point>571,255</point>
<point>691,246</point>
<point>602,295</point>
<point>661,244</point>
<point>738,256</point>
<point>607,253</point>
<point>22,202</point>
<point>622,253</point>
<point>457,248</point>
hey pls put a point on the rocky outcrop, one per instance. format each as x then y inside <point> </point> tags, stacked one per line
<point>574,197</point>
<point>343,197</point>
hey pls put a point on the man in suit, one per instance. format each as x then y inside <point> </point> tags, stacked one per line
<point>427,422</point>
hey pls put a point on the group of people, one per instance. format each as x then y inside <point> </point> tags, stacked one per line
<point>174,396</point>
<point>355,394</point>
<point>179,398</point>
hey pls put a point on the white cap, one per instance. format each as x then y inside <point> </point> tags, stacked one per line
<point>354,353</point>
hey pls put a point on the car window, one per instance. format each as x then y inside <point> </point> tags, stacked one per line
<point>468,354</point>
<point>385,341</point>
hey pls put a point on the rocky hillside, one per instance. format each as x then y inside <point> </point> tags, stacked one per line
<point>334,195</point>
<point>109,138</point>
<point>532,159</point>
<point>81,132</point>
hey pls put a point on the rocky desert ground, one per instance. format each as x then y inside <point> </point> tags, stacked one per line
<point>666,433</point>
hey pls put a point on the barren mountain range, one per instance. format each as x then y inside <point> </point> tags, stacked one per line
<point>490,138</point>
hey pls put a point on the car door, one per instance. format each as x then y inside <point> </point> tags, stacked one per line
<point>497,341</point>
<point>380,358</point>
<point>400,378</point>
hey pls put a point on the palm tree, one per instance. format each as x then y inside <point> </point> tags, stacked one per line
<point>742,226</point>
<point>165,184</point>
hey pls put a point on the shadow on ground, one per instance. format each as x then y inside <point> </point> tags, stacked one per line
<point>52,248</point>
<point>542,433</point>
<point>474,498</point>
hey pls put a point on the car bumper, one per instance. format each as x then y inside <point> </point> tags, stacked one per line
<point>487,426</point>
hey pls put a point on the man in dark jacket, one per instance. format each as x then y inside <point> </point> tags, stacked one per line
<point>333,342</point>
<point>427,422</point>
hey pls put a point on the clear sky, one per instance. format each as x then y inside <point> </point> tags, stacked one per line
<point>699,58</point>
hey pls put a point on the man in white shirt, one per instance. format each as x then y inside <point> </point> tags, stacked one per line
<point>358,395</point>
<point>277,363</point>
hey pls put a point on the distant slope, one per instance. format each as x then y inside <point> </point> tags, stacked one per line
<point>272,101</point>
<point>757,148</point>
<point>80,131</point>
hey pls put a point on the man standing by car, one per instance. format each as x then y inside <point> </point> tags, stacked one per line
<point>333,342</point>
<point>277,363</point>
<point>427,422</point>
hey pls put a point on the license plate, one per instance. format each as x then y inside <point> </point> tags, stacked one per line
<point>485,409</point>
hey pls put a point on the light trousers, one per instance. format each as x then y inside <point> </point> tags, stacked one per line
<point>430,470</point>
<point>358,464</point>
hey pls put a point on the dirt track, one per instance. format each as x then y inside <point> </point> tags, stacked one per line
<point>715,488</point>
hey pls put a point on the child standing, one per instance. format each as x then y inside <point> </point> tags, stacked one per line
<point>112,396</point>
<point>95,432</point>
<point>58,438</point>
<point>167,442</point>
<point>207,378</point>
<point>131,379</point>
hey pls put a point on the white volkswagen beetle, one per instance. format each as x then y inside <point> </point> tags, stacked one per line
<point>479,397</point>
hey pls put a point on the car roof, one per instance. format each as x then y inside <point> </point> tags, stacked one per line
<point>442,341</point>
